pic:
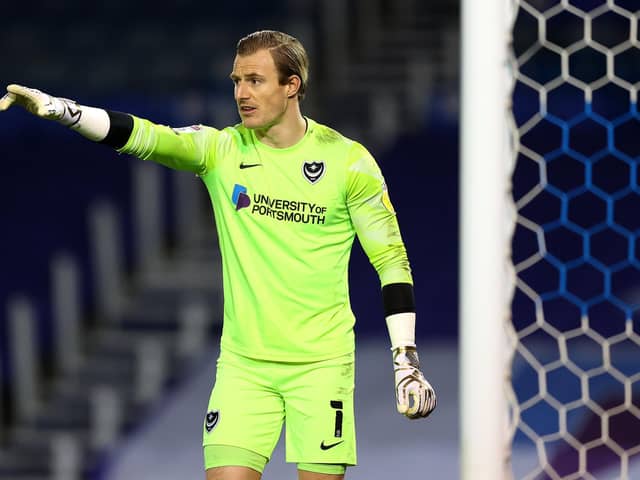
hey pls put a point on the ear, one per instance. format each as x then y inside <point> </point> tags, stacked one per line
<point>293,85</point>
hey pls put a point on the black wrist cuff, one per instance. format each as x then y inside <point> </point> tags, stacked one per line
<point>398,298</point>
<point>120,129</point>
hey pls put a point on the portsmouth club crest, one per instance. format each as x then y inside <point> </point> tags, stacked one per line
<point>211,420</point>
<point>313,171</point>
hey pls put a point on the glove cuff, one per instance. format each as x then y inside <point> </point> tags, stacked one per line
<point>401,327</point>
<point>70,111</point>
<point>91,122</point>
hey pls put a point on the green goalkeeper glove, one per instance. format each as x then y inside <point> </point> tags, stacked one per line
<point>415,397</point>
<point>41,104</point>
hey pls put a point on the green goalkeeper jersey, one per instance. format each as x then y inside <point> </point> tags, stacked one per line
<point>286,219</point>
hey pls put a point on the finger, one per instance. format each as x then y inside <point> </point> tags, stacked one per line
<point>424,403</point>
<point>23,93</point>
<point>7,101</point>
<point>30,94</point>
<point>433,401</point>
<point>430,403</point>
<point>414,404</point>
<point>14,88</point>
<point>402,403</point>
<point>45,107</point>
<point>25,97</point>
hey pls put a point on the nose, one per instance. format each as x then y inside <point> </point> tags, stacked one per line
<point>242,91</point>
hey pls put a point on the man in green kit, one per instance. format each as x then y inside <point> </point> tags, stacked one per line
<point>289,196</point>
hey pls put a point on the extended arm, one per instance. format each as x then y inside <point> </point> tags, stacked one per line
<point>377,228</point>
<point>121,131</point>
<point>93,123</point>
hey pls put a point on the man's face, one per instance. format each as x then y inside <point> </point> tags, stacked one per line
<point>260,98</point>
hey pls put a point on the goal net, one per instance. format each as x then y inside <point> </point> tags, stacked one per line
<point>574,391</point>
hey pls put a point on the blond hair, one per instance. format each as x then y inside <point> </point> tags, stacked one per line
<point>287,52</point>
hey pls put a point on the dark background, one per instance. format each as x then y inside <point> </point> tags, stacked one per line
<point>146,58</point>
<point>575,182</point>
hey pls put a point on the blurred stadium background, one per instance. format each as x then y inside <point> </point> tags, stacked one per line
<point>109,293</point>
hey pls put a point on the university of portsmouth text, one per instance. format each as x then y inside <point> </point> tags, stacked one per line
<point>288,210</point>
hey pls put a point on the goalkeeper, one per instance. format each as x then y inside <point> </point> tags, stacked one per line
<point>289,196</point>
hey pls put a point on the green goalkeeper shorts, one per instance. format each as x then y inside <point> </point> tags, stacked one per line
<point>251,399</point>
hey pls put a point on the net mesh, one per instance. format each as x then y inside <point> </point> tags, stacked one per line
<point>575,326</point>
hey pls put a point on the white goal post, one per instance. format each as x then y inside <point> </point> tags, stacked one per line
<point>484,240</point>
<point>550,240</point>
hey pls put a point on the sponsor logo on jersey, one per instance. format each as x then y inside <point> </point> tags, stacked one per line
<point>386,201</point>
<point>249,165</point>
<point>313,171</point>
<point>239,197</point>
<point>189,129</point>
<point>211,420</point>
<point>279,209</point>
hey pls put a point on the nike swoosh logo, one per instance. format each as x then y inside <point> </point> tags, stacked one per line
<point>331,445</point>
<point>249,165</point>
